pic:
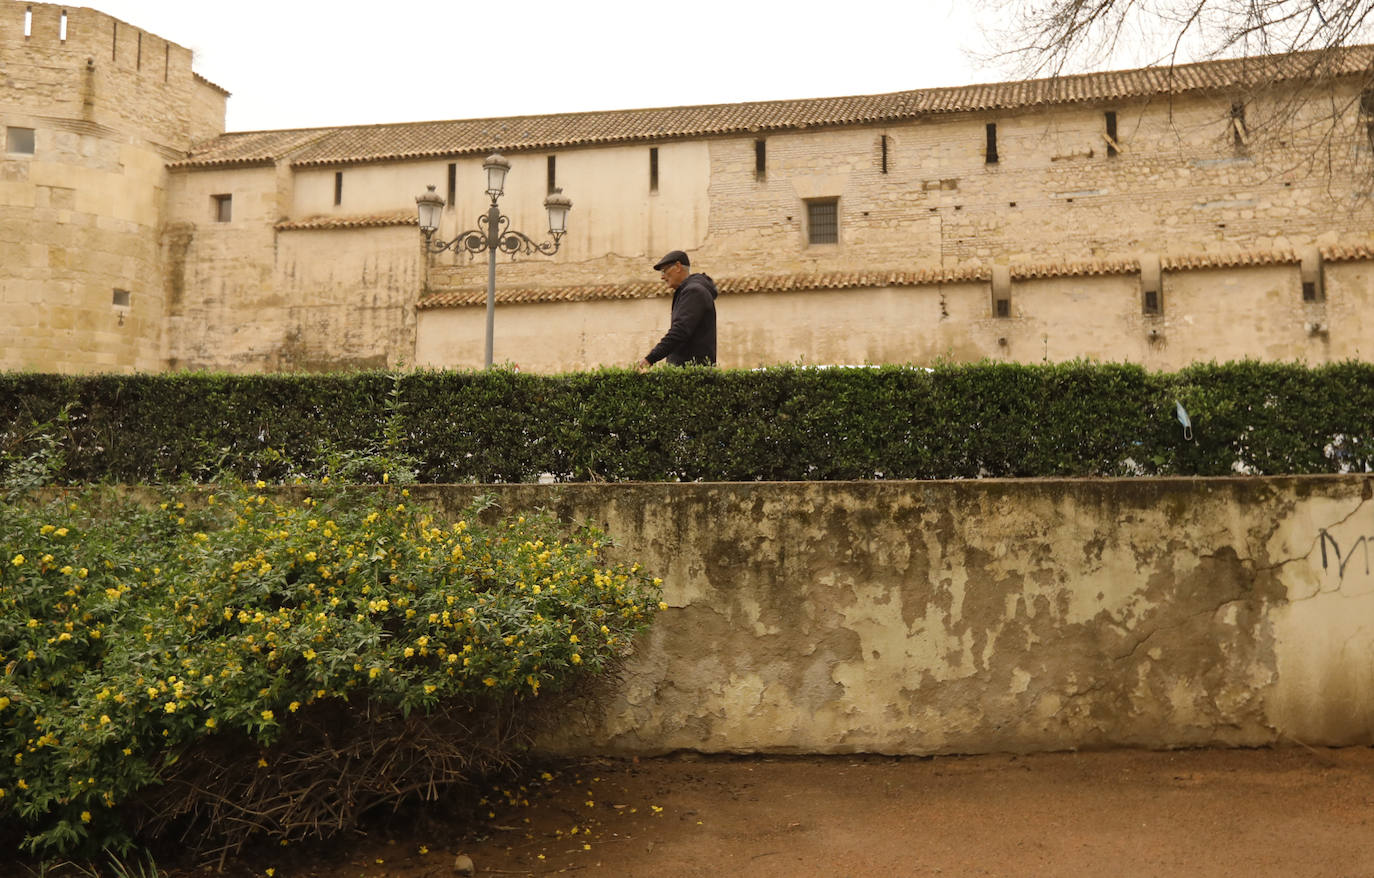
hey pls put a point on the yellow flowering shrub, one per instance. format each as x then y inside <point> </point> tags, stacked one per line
<point>180,660</point>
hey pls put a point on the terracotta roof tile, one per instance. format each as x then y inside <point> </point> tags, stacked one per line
<point>1227,260</point>
<point>785,283</point>
<point>398,218</point>
<point>201,79</point>
<point>251,148</point>
<point>1075,269</point>
<point>1350,253</point>
<point>417,140</point>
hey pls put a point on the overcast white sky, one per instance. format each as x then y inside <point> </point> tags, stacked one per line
<point>303,63</point>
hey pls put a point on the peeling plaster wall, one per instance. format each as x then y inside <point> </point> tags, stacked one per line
<point>967,617</point>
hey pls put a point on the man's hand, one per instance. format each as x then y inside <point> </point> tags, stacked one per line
<point>642,365</point>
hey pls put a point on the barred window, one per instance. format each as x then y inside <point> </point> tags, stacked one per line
<point>823,221</point>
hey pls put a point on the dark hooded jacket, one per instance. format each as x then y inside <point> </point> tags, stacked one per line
<point>692,336</point>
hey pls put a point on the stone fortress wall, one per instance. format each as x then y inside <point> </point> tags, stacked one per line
<point>1155,217</point>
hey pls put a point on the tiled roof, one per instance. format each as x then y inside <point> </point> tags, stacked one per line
<point>1351,253</point>
<point>419,140</point>
<point>462,297</point>
<point>399,218</point>
<point>1228,260</point>
<point>203,80</point>
<point>251,148</point>
<point>1075,269</point>
<point>778,283</point>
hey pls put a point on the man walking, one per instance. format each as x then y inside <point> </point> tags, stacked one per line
<point>691,337</point>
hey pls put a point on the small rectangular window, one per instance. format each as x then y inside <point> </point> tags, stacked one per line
<point>882,142</point>
<point>28,21</point>
<point>166,62</point>
<point>138,59</point>
<point>553,174</point>
<point>760,160</point>
<point>62,27</point>
<point>653,169</point>
<point>1151,304</point>
<point>120,299</point>
<point>452,183</point>
<point>991,155</point>
<point>1112,147</point>
<point>1309,291</point>
<point>224,207</point>
<point>823,221</point>
<point>19,141</point>
<point>1002,307</point>
<point>338,188</point>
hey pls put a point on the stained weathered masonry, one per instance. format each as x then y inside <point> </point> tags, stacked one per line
<point>980,616</point>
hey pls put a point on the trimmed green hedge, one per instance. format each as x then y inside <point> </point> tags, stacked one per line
<point>959,421</point>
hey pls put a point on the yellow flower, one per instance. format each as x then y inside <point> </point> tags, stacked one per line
<point>104,720</point>
<point>18,560</point>
<point>47,529</point>
<point>260,484</point>
<point>662,605</point>
<point>576,659</point>
<point>490,681</point>
<point>309,655</point>
<point>170,707</point>
<point>85,816</point>
<point>267,715</point>
<point>294,706</point>
<point>211,723</point>
<point>4,702</point>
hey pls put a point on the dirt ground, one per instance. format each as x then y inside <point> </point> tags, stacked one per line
<point>1290,812</point>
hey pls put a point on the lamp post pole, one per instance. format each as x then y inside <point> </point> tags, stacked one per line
<point>493,232</point>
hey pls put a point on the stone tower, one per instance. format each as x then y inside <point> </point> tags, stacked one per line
<point>91,112</point>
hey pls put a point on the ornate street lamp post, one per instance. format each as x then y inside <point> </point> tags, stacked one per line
<point>493,230</point>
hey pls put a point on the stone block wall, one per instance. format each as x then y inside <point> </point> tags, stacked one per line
<point>985,616</point>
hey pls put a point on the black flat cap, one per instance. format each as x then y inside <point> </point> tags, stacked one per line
<point>673,256</point>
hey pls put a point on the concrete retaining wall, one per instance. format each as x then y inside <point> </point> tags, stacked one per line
<point>968,617</point>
